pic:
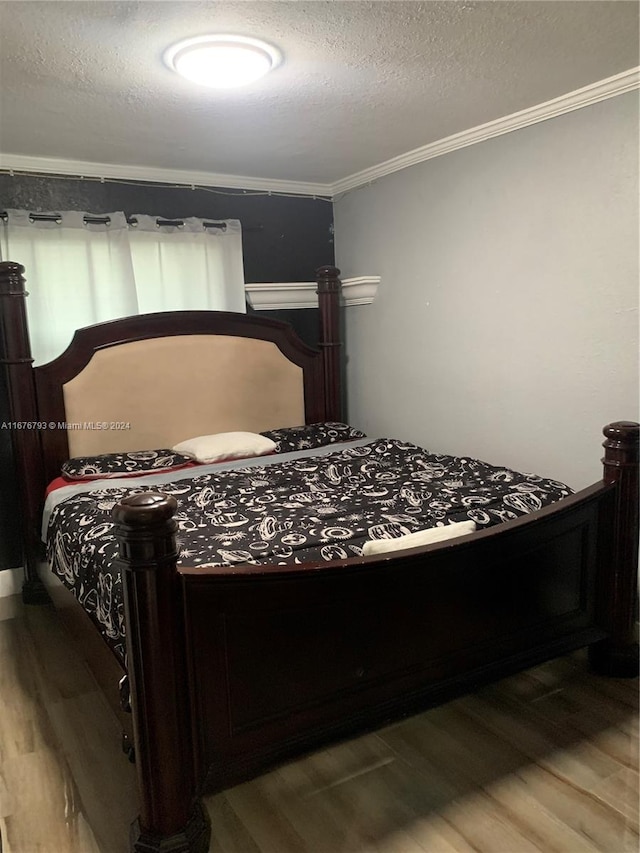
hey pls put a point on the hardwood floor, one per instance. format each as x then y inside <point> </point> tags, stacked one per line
<point>543,761</point>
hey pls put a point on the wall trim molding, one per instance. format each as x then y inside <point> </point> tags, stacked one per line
<point>361,290</point>
<point>601,90</point>
<point>279,295</point>
<point>619,84</point>
<point>275,295</point>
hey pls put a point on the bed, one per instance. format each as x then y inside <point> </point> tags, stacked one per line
<point>232,669</point>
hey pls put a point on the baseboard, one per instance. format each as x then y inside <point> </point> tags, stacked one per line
<point>11,582</point>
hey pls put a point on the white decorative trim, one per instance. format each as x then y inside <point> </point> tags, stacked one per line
<point>11,582</point>
<point>80,168</point>
<point>361,290</point>
<point>274,296</point>
<point>627,81</point>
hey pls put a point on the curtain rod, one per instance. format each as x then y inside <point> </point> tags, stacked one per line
<point>131,220</point>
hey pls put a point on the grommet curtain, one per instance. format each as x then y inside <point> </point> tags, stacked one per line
<point>83,268</point>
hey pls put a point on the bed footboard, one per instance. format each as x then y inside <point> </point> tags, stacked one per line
<point>283,659</point>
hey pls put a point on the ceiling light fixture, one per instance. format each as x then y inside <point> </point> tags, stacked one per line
<point>222,61</point>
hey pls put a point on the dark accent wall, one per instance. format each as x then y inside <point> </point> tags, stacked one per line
<point>284,239</point>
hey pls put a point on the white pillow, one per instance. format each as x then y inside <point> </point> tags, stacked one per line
<point>226,445</point>
<point>421,537</point>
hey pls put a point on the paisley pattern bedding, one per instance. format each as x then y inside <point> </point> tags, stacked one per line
<point>307,509</point>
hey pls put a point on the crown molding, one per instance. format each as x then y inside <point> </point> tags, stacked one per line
<point>274,296</point>
<point>619,84</point>
<point>627,81</point>
<point>114,172</point>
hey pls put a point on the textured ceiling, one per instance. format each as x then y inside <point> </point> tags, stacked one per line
<point>362,82</point>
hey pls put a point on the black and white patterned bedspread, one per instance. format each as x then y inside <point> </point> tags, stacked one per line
<point>309,509</point>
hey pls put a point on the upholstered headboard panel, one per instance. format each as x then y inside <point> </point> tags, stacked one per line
<point>157,392</point>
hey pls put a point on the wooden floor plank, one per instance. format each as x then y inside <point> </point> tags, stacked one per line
<point>52,817</point>
<point>601,824</point>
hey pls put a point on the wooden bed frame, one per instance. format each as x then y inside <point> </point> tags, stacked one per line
<point>234,670</point>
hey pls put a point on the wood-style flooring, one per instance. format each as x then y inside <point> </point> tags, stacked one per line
<point>543,761</point>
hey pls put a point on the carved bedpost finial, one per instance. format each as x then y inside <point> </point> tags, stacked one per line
<point>618,654</point>
<point>328,278</point>
<point>15,346</point>
<point>11,278</point>
<point>145,529</point>
<point>171,818</point>
<point>145,508</point>
<point>621,446</point>
<point>329,287</point>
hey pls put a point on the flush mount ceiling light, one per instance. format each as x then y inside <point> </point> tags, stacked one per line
<point>222,61</point>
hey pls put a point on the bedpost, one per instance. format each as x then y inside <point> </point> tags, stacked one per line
<point>618,654</point>
<point>15,354</point>
<point>171,816</point>
<point>329,287</point>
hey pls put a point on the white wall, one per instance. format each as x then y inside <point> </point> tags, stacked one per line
<point>506,323</point>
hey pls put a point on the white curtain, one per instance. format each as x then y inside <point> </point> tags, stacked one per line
<point>187,267</point>
<point>80,273</point>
